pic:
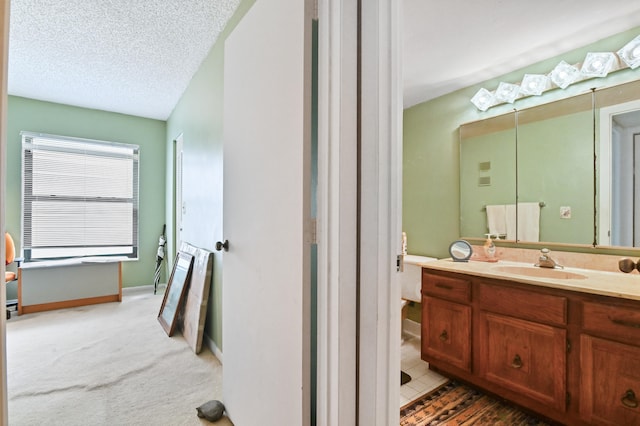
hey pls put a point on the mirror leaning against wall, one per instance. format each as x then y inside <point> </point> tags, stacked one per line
<point>563,172</point>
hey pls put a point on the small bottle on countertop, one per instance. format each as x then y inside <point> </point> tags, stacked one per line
<point>489,248</point>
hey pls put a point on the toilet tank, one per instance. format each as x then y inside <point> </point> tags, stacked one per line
<point>411,277</point>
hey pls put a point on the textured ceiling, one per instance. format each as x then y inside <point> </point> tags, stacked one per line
<point>129,56</point>
<point>137,56</point>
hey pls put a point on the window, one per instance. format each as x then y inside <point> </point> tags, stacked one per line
<point>79,197</point>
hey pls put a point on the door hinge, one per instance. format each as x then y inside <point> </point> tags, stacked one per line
<point>568,345</point>
<point>568,398</point>
<point>313,231</point>
<point>400,263</point>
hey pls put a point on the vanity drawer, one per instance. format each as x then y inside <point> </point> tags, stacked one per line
<point>455,289</point>
<point>620,322</point>
<point>525,304</point>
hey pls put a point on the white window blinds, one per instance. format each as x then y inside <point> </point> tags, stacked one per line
<point>79,197</point>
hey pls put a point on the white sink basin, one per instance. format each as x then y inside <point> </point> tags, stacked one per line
<point>537,272</point>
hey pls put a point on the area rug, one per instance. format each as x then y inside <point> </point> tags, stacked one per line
<point>457,404</point>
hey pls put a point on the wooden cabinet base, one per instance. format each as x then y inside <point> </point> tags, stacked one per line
<point>570,357</point>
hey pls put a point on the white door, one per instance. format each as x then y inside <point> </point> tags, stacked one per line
<point>265,278</point>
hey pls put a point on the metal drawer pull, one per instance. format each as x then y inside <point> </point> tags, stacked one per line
<point>629,399</point>
<point>444,336</point>
<point>446,287</point>
<point>517,362</point>
<point>625,323</point>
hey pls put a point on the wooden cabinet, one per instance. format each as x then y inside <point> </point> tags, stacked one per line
<point>610,364</point>
<point>447,332</point>
<point>610,382</point>
<point>570,356</point>
<point>524,356</point>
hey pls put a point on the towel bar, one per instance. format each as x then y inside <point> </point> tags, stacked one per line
<point>541,203</point>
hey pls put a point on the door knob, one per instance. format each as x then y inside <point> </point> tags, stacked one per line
<point>220,245</point>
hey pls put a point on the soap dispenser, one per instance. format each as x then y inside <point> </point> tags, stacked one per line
<point>489,248</point>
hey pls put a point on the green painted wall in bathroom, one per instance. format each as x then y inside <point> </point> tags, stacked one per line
<point>431,162</point>
<point>498,149</point>
<point>57,119</point>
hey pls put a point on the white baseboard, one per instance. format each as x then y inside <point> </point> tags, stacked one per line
<point>411,328</point>
<point>137,289</point>
<point>213,347</point>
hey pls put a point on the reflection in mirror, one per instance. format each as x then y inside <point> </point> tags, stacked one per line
<point>487,172</point>
<point>555,147</point>
<point>619,166</point>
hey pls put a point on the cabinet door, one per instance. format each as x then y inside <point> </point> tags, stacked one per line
<point>524,356</point>
<point>446,332</point>
<point>610,382</point>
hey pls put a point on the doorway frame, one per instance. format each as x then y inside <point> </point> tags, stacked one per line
<point>604,160</point>
<point>4,51</point>
<point>359,211</point>
<point>178,207</point>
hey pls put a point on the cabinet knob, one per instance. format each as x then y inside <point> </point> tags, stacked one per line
<point>629,399</point>
<point>517,362</point>
<point>444,336</point>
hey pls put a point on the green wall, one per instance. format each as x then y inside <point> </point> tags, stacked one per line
<point>46,117</point>
<point>431,162</point>
<point>198,117</point>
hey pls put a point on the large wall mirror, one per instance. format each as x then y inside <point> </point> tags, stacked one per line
<point>567,172</point>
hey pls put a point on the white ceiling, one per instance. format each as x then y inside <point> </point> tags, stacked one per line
<point>452,44</point>
<point>137,56</point>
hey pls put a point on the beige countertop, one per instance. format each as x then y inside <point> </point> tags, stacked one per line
<point>615,284</point>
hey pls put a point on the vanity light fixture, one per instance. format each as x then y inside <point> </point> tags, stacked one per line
<point>533,84</point>
<point>597,64</point>
<point>483,99</point>
<point>630,53</point>
<point>564,74</point>
<point>507,92</point>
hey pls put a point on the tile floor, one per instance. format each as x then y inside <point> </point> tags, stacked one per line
<point>422,379</point>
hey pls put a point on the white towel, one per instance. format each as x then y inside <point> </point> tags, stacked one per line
<point>496,219</point>
<point>528,222</point>
<point>510,219</point>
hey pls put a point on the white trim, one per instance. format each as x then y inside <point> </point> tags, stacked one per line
<point>179,206</point>
<point>411,328</point>
<point>4,15</point>
<point>604,161</point>
<point>209,343</point>
<point>147,288</point>
<point>337,210</point>
<point>381,205</point>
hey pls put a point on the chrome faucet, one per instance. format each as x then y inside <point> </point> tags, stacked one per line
<point>545,261</point>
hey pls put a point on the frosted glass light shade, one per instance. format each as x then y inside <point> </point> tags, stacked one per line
<point>533,84</point>
<point>630,53</point>
<point>483,99</point>
<point>597,64</point>
<point>507,92</point>
<point>564,74</point>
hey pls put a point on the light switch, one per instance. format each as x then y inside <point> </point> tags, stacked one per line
<point>565,212</point>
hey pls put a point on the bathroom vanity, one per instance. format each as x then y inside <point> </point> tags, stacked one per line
<point>564,343</point>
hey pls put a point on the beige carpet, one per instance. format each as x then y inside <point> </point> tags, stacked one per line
<point>109,364</point>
